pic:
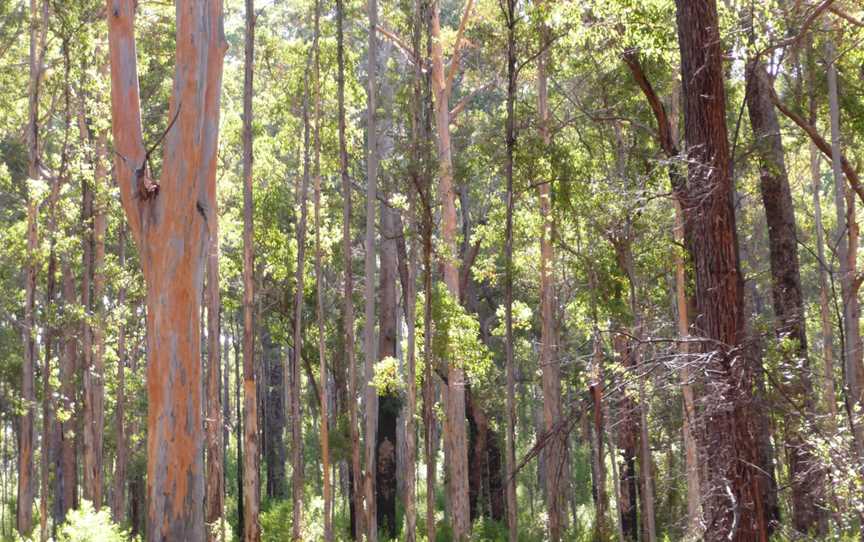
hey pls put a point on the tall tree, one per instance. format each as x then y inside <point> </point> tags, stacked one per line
<point>788,298</point>
<point>510,17</point>
<point>550,366</point>
<point>26,483</point>
<point>371,397</point>
<point>348,284</point>
<point>726,430</point>
<point>118,497</point>
<point>296,420</point>
<point>319,289</point>
<point>169,219</point>
<point>251,494</point>
<point>455,434</point>
<point>214,426</point>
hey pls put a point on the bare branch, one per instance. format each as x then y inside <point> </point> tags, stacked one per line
<point>454,61</point>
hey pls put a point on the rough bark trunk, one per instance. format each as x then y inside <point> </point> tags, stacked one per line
<point>455,435</point>
<point>169,221</point>
<point>628,437</point>
<point>348,290</point>
<point>274,444</point>
<point>251,504</point>
<point>733,503</point>
<point>806,476</point>
<point>509,362</point>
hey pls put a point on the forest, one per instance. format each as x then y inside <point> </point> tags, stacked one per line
<point>431,270</point>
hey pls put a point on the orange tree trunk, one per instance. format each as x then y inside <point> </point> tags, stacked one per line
<point>169,222</point>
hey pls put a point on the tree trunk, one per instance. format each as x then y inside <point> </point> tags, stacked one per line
<point>238,433</point>
<point>847,248</point>
<point>25,496</point>
<point>118,498</point>
<point>169,221</point>
<point>348,290</point>
<point>509,362</point>
<point>251,505</point>
<point>388,404</point>
<point>628,437</point>
<point>319,291</point>
<point>371,397</point>
<point>727,432</point>
<point>214,424</point>
<point>296,420</point>
<point>274,422</point>
<point>807,478</point>
<point>556,450</point>
<point>455,435</point>
<point>68,478</point>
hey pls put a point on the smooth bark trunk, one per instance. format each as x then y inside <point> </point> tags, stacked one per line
<point>169,222</point>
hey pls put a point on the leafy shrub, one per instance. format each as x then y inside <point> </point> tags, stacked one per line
<point>89,525</point>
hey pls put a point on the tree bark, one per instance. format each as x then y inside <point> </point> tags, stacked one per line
<point>509,362</point>
<point>455,435</point>
<point>319,293</point>
<point>788,300</point>
<point>118,498</point>
<point>169,221</point>
<point>25,495</point>
<point>388,404</point>
<point>733,503</point>
<point>251,504</point>
<point>296,420</point>
<point>847,248</point>
<point>348,289</point>
<point>371,397</point>
<point>556,450</point>
<point>214,424</point>
<point>68,477</point>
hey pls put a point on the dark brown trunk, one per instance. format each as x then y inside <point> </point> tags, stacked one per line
<point>275,453</point>
<point>807,477</point>
<point>733,505</point>
<point>386,445</point>
<point>628,438</point>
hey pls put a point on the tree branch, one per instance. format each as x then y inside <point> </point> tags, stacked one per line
<point>454,62</point>
<point>465,100</point>
<point>821,144</point>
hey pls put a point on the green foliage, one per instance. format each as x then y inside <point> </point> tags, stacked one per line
<point>87,525</point>
<point>456,336</point>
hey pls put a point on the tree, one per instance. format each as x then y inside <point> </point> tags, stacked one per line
<point>787,295</point>
<point>455,436</point>
<point>169,220</point>
<point>348,283</point>
<point>713,247</point>
<point>251,529</point>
